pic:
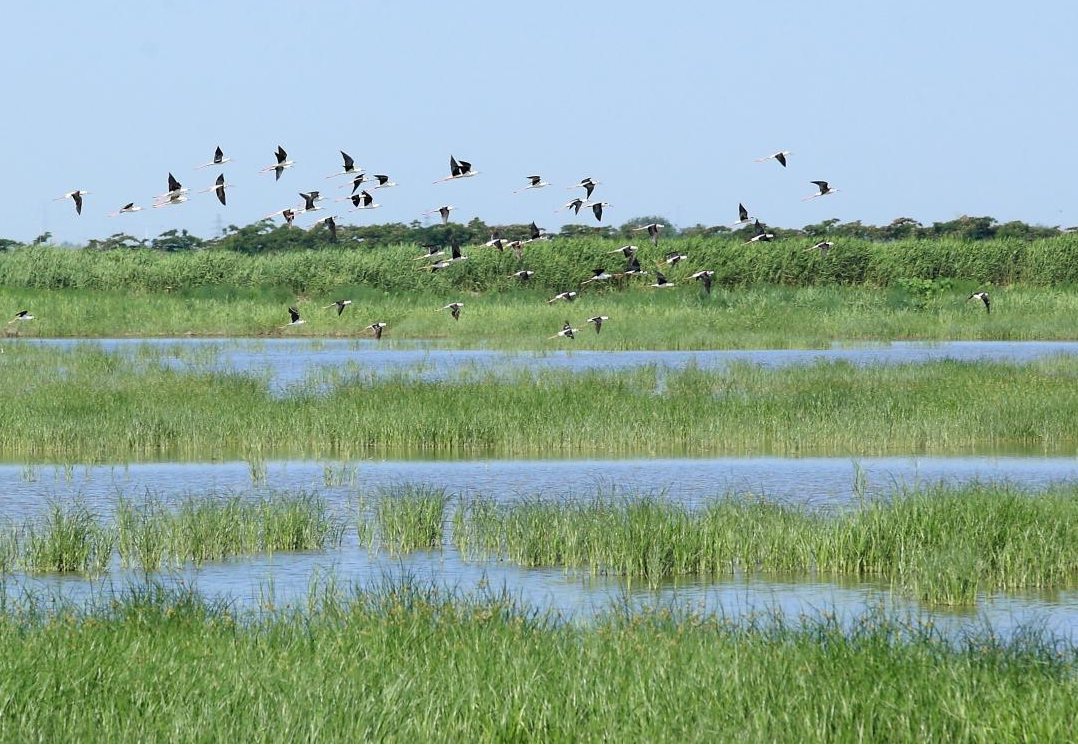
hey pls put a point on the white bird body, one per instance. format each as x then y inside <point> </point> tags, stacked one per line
<point>458,170</point>
<point>282,163</point>
<point>566,296</point>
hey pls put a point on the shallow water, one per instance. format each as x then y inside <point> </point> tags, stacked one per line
<point>286,362</point>
<point>820,483</point>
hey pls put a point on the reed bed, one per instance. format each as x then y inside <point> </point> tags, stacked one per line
<point>558,263</point>
<point>85,405</point>
<point>640,318</point>
<point>941,545</point>
<point>411,664</point>
<point>153,535</point>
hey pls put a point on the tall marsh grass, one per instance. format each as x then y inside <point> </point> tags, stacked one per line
<point>409,518</point>
<point>940,545</point>
<point>408,664</point>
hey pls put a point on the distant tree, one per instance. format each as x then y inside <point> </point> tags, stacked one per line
<point>42,239</point>
<point>172,240</point>
<point>7,243</point>
<point>626,229</point>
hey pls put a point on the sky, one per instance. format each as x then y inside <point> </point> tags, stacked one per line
<point>927,110</point>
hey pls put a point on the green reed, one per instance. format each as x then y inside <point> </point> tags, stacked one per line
<point>408,518</point>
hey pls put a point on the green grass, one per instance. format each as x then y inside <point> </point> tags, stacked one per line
<point>408,518</point>
<point>558,264</point>
<point>153,536</point>
<point>85,405</point>
<point>940,545</point>
<point>215,527</point>
<point>402,664</point>
<point>641,318</point>
<point>69,538</point>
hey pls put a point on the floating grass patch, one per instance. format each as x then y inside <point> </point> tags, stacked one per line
<point>409,518</point>
<point>941,545</point>
<point>411,664</point>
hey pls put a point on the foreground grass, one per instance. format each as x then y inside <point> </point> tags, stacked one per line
<point>939,545</point>
<point>407,665</point>
<point>640,318</point>
<point>85,405</point>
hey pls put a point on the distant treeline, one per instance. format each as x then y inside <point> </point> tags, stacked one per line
<point>919,264</point>
<point>266,236</point>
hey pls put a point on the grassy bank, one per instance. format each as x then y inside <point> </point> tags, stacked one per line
<point>407,665</point>
<point>558,264</point>
<point>939,545</point>
<point>85,405</point>
<point>641,318</point>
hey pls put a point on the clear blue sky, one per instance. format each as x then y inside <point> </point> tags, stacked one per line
<point>921,109</point>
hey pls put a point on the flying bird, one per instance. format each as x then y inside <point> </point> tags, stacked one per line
<point>626,251</point>
<point>523,275</point>
<point>309,200</point>
<point>598,275</point>
<point>823,247</point>
<point>598,321</point>
<point>126,209</point>
<point>573,205</point>
<point>22,315</point>
<point>742,216</point>
<point>824,190</point>
<point>172,200</point>
<point>444,211</point>
<point>330,221</point>
<point>673,258</point>
<point>431,252</point>
<point>282,163</point>
<point>363,201</point>
<point>632,267</point>
<point>705,276</point>
<point>588,184</point>
<point>566,296</point>
<point>653,232</point>
<point>761,236</point>
<point>75,196</point>
<point>340,305</point>
<point>597,209</point>
<point>349,167</point>
<point>287,213</point>
<point>983,297</point>
<point>218,188</point>
<point>296,320</point>
<point>358,180</point>
<point>383,181</point>
<point>779,156</point>
<point>457,170</point>
<point>175,189</point>
<point>660,281</point>
<point>377,327</point>
<point>567,331</point>
<point>534,182</point>
<point>454,310</point>
<point>537,233</point>
<point>219,159</point>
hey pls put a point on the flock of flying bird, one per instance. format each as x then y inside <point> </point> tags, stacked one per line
<point>460,169</point>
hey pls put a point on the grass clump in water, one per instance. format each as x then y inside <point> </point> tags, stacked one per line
<point>68,539</point>
<point>212,528</point>
<point>410,518</point>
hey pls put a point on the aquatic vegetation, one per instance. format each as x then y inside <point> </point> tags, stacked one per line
<point>938,544</point>
<point>69,538</point>
<point>86,405</point>
<point>404,663</point>
<point>409,518</point>
<point>214,527</point>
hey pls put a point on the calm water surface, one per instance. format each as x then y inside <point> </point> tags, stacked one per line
<point>285,362</point>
